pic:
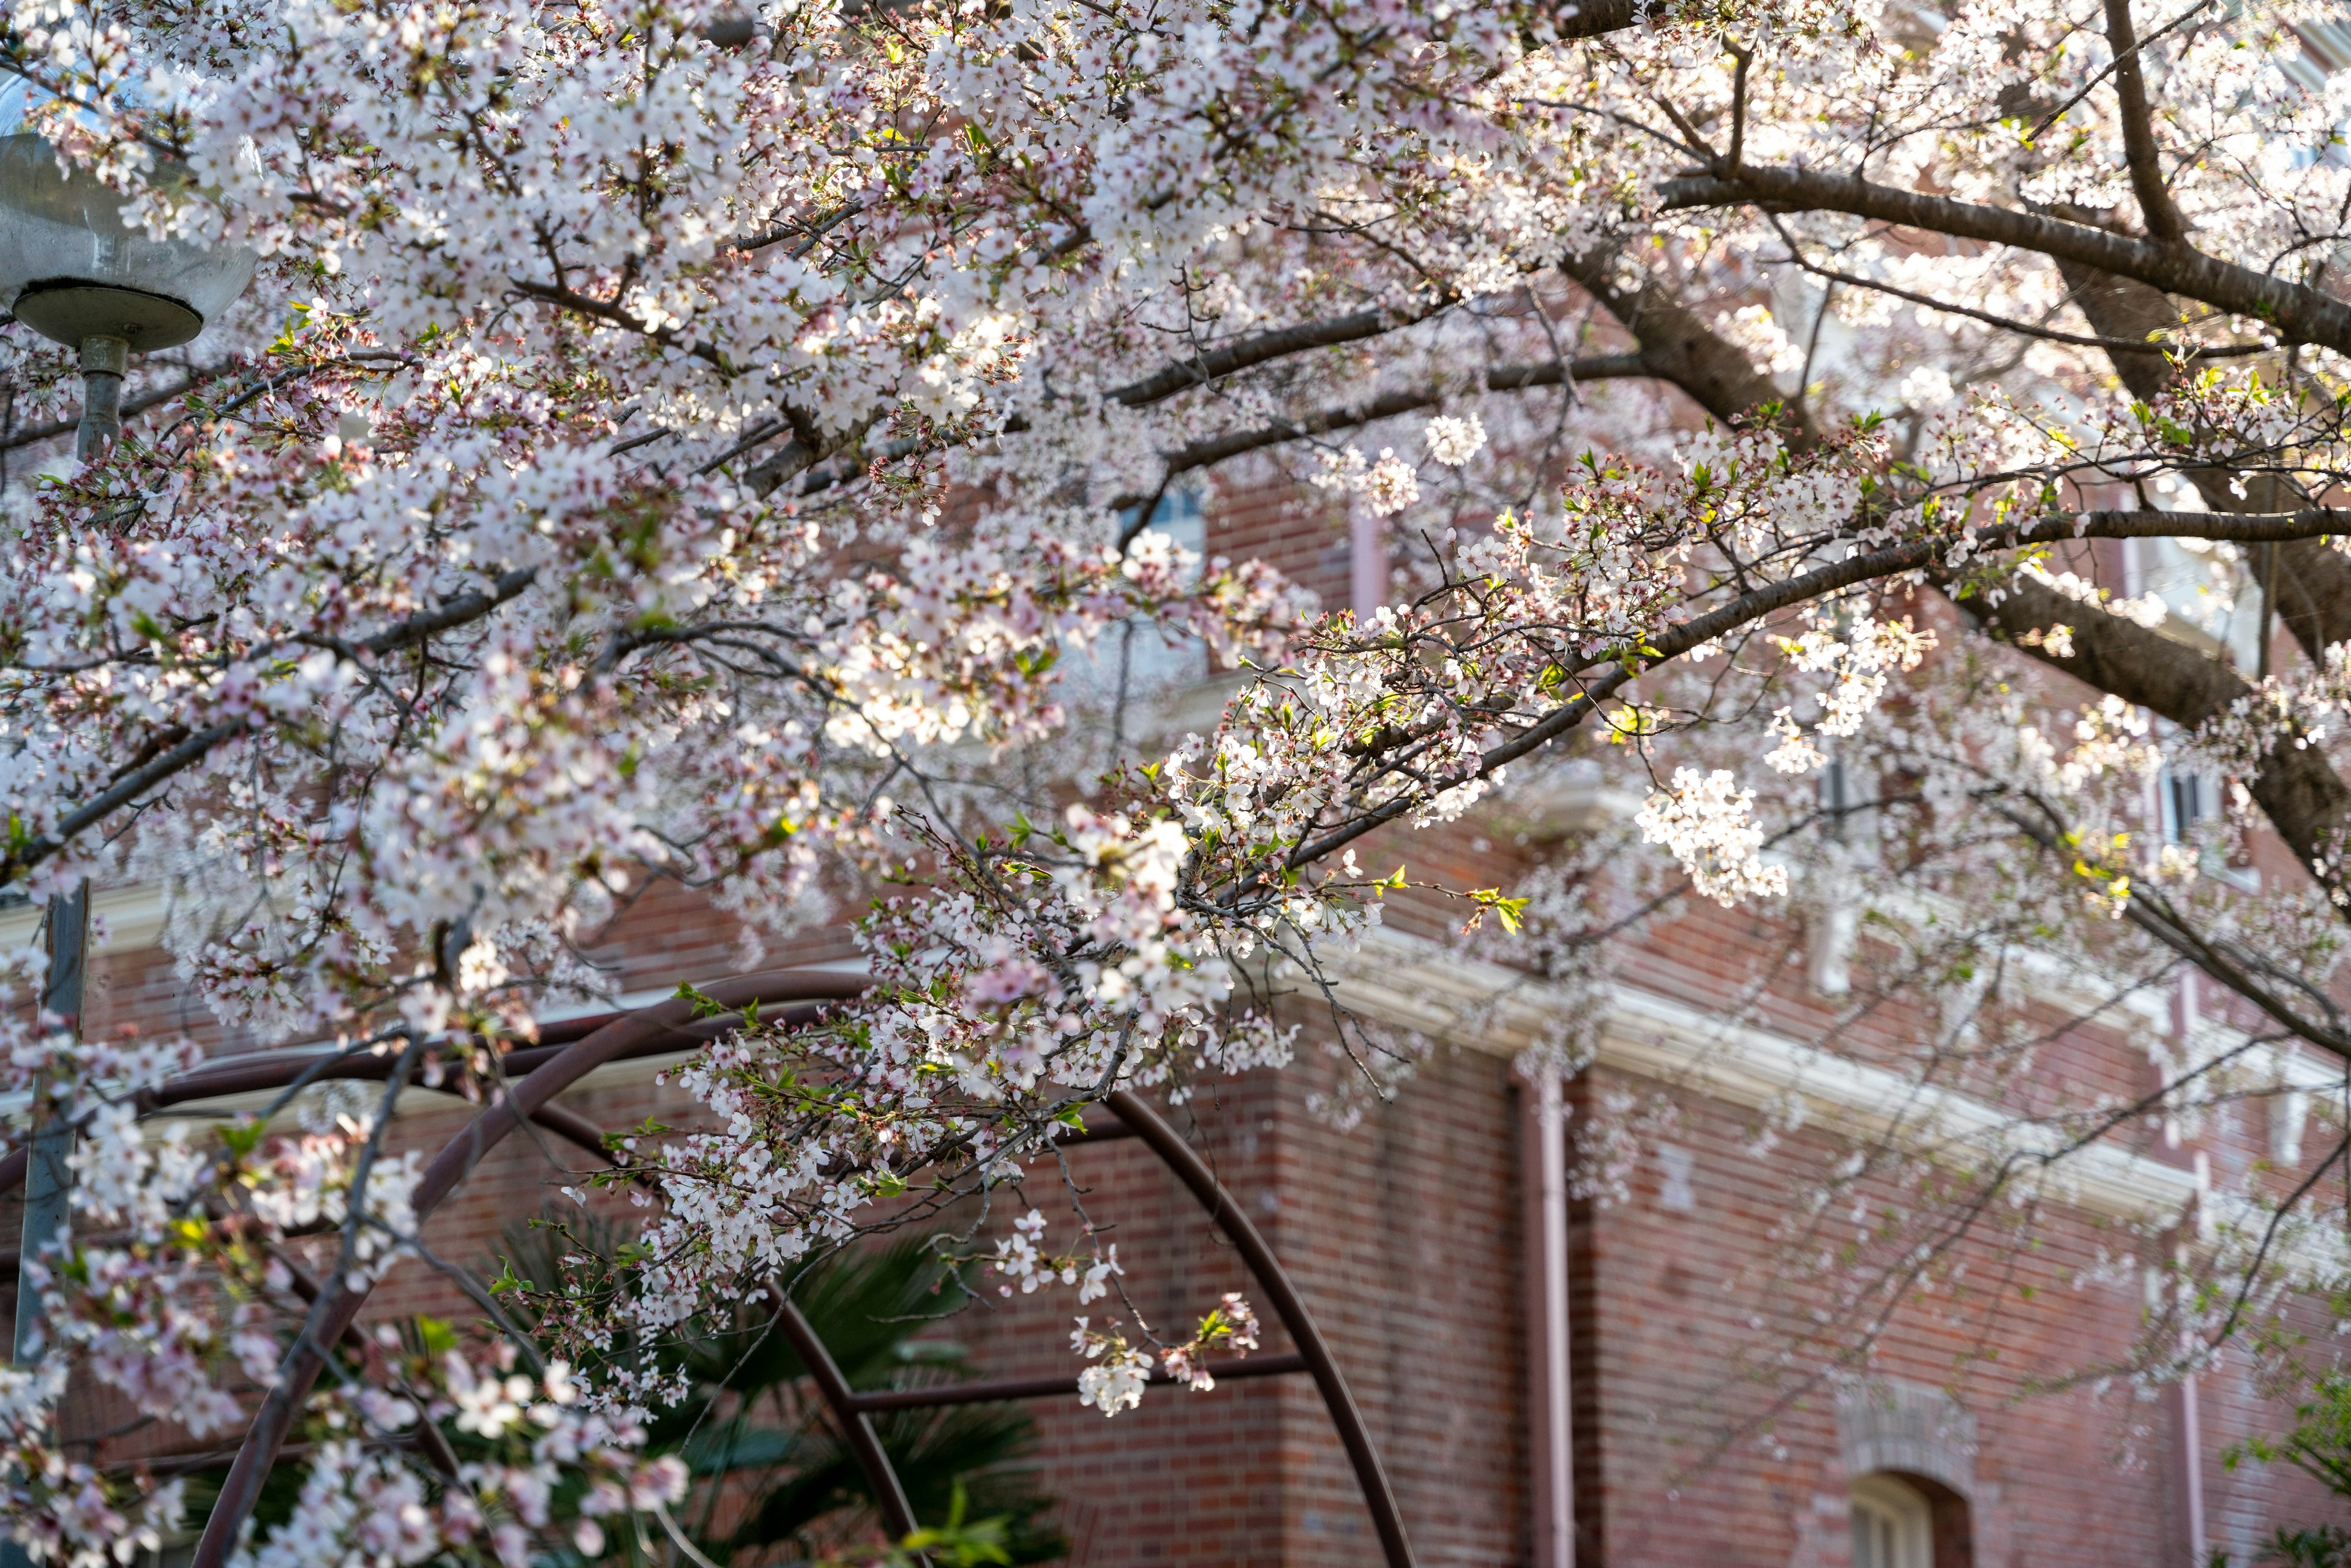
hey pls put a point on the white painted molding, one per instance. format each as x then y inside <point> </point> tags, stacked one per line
<point>130,918</point>
<point>1414,983</point>
<point>1580,805</point>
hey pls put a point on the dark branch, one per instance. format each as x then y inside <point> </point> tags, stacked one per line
<point>1216,449</point>
<point>2156,205</point>
<point>2300,313</point>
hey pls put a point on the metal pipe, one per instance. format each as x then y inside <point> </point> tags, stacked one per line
<point>856,1426</point>
<point>1544,1151</point>
<point>103,362</point>
<point>999,1388</point>
<point>277,1070</point>
<point>1288,1306</point>
<point>303,1364</point>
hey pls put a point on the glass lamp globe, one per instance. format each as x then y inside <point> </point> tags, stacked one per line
<point>73,271</point>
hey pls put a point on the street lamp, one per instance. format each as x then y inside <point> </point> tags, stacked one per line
<point>73,271</point>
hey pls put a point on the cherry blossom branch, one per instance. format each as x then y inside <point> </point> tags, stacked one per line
<point>2006,324</point>
<point>447,616</point>
<point>2299,312</point>
<point>1594,18</point>
<point>1213,450</point>
<point>185,755</point>
<point>2155,206</point>
<point>2286,1205</point>
<point>1213,365</point>
<point>2098,77</point>
<point>1892,560</point>
<point>2295,786</point>
<point>2154,914</point>
<point>33,435</point>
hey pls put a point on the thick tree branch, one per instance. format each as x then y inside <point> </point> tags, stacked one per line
<point>1593,18</point>
<point>1213,450</point>
<point>1675,344</point>
<point>449,614</point>
<point>2299,313</point>
<point>2156,205</point>
<point>2297,788</point>
<point>1248,353</point>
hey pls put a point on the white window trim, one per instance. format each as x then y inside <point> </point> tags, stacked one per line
<point>1908,1519</point>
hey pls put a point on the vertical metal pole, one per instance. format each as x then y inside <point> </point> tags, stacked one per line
<point>48,1180</point>
<point>103,360</point>
<point>2191,1458</point>
<point>1550,1418</point>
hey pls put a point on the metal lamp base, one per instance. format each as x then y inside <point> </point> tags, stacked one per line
<point>75,310</point>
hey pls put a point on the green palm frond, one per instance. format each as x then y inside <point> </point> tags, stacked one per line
<point>763,1449</point>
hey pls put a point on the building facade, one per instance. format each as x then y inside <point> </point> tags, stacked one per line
<point>1565,1353</point>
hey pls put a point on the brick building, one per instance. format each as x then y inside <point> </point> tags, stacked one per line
<point>1552,1377</point>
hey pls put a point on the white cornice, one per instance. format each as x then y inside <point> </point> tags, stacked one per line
<point>1562,804</point>
<point>1413,983</point>
<point>128,918</point>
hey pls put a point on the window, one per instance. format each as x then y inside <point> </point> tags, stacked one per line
<point>1135,660</point>
<point>1848,796</point>
<point>2187,800</point>
<point>2212,596</point>
<point>1892,1526</point>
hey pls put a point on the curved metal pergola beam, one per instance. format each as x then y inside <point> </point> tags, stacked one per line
<point>856,1426</point>
<point>1228,1216</point>
<point>631,1033</point>
<point>557,1065</point>
<point>261,1074</point>
<point>851,1409</point>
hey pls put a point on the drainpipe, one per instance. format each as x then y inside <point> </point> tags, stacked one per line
<point>1368,565</point>
<point>1548,1414</point>
<point>2185,1016</point>
<point>2192,1423</point>
<point>2191,1448</point>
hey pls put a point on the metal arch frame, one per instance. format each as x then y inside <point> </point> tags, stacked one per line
<point>853,1412</point>
<point>1228,1216</point>
<point>558,1066</point>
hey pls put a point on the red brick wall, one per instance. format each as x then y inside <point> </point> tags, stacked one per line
<point>1696,1444</point>
<point>1401,1237</point>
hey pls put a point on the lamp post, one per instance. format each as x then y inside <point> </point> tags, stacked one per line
<point>73,271</point>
